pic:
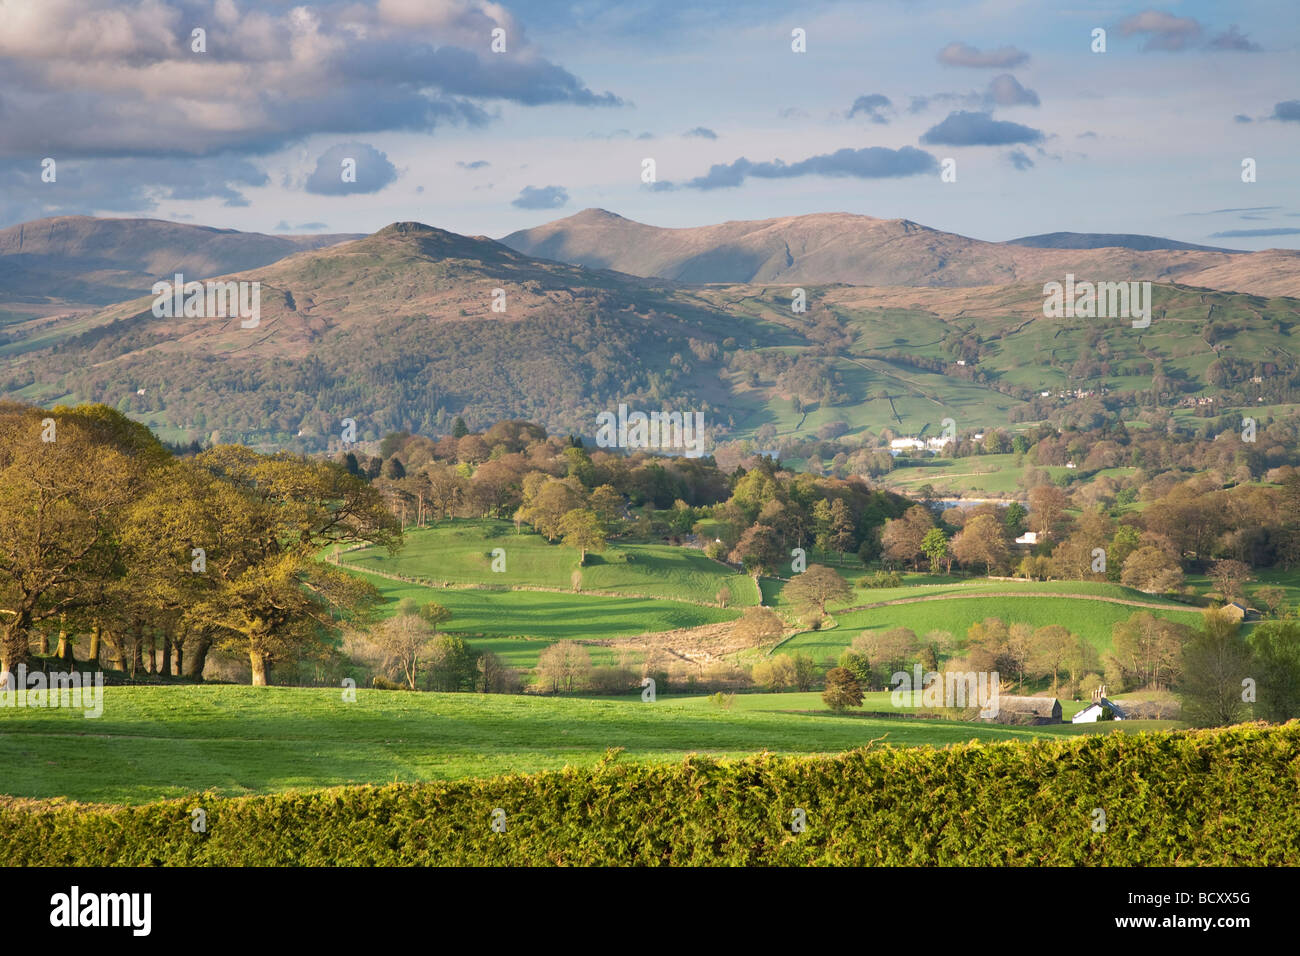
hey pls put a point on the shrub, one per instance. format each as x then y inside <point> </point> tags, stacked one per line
<point>842,690</point>
<point>1188,798</point>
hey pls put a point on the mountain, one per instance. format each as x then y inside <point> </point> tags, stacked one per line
<point>397,330</point>
<point>827,248</point>
<point>1102,240</point>
<point>71,262</point>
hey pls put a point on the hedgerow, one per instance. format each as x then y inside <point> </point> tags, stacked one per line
<point>1221,797</point>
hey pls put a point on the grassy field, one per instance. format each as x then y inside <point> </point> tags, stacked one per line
<point>460,552</point>
<point>155,742</point>
<point>1090,619</point>
<point>518,625</point>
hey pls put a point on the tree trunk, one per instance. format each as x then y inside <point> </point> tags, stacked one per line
<point>137,652</point>
<point>14,644</point>
<point>198,658</point>
<point>43,645</point>
<point>116,650</point>
<point>261,668</point>
<point>166,670</point>
<point>64,652</point>
<point>93,656</point>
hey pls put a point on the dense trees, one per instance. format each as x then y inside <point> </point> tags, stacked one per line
<point>100,520</point>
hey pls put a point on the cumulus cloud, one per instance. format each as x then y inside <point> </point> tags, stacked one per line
<point>872,106</point>
<point>105,78</point>
<point>136,185</point>
<point>961,54</point>
<point>701,132</point>
<point>873,162</point>
<point>372,168</point>
<point>541,197</point>
<point>1005,90</point>
<point>963,128</point>
<point>1234,39</point>
<point>1163,31</point>
<point>1288,111</point>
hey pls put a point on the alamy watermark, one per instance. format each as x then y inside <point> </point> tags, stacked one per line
<point>661,430</point>
<point>1102,300</point>
<point>71,689</point>
<point>211,300</point>
<point>953,689</point>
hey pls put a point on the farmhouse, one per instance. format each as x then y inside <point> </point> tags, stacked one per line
<point>1236,611</point>
<point>1094,712</point>
<point>1027,710</point>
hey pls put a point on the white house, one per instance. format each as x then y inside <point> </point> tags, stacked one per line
<point>1092,713</point>
<point>1029,537</point>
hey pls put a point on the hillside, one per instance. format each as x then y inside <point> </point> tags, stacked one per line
<point>69,262</point>
<point>397,331</point>
<point>828,248</point>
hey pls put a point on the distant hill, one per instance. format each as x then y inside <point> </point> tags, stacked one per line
<point>846,248</point>
<point>79,261</point>
<point>397,331</point>
<point>1102,240</point>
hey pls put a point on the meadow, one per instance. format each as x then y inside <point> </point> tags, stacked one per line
<point>158,742</point>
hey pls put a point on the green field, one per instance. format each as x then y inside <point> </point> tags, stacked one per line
<point>155,742</point>
<point>460,552</point>
<point>1088,618</point>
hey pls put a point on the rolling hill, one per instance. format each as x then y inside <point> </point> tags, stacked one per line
<point>74,262</point>
<point>827,248</point>
<point>397,330</point>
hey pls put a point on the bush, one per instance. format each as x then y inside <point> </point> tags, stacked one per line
<point>842,690</point>
<point>881,579</point>
<point>1189,798</point>
<point>383,683</point>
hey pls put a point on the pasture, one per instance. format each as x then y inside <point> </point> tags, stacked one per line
<point>158,742</point>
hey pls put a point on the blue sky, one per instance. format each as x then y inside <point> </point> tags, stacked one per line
<point>251,133</point>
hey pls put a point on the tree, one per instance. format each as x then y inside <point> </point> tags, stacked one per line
<point>774,673</point>
<point>563,667</point>
<point>1216,659</point>
<point>459,429</point>
<point>982,541</point>
<point>1047,505</point>
<point>1230,577</point>
<point>816,587</point>
<point>1276,649</point>
<point>1152,570</point>
<point>434,614</point>
<point>581,530</point>
<point>547,509</point>
<point>842,690</point>
<point>757,626</point>
<point>1149,649</point>
<point>935,546</point>
<point>263,589</point>
<point>842,535</point>
<point>452,664</point>
<point>901,538</point>
<point>758,550</point>
<point>61,502</point>
<point>405,639</point>
<point>1050,648</point>
<point>805,671</point>
<point>1273,598</point>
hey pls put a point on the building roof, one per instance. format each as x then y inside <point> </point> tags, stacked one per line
<point>1039,706</point>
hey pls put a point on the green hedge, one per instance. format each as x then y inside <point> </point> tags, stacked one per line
<point>1205,797</point>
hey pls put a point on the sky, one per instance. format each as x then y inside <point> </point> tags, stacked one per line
<point>748,110</point>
